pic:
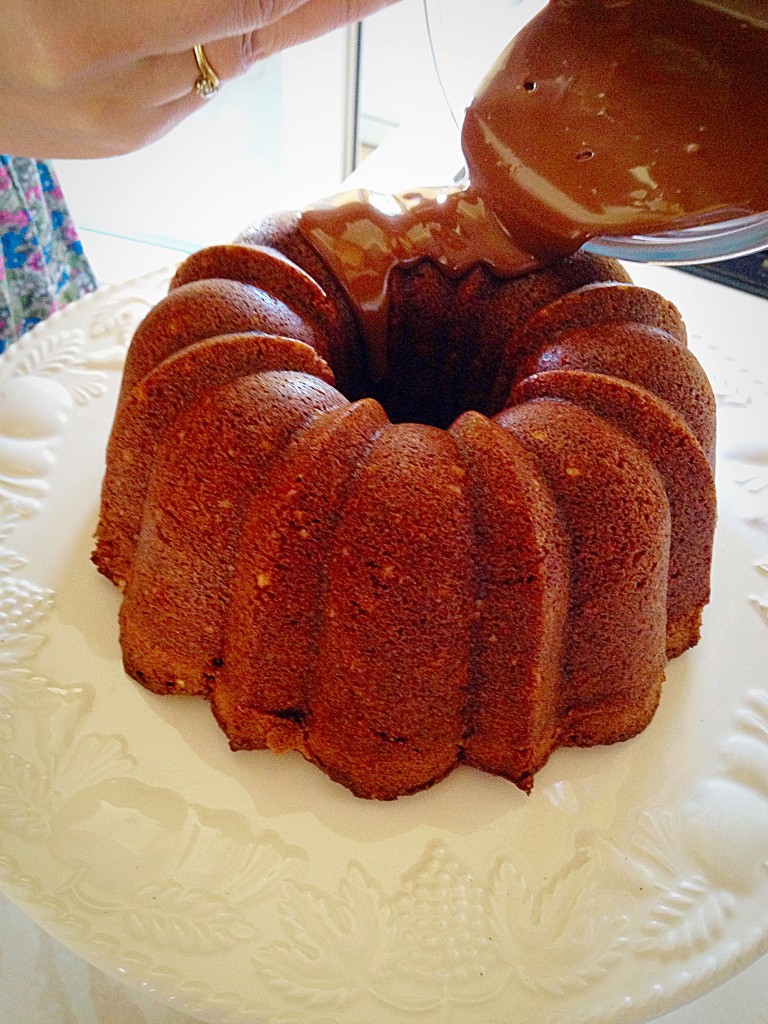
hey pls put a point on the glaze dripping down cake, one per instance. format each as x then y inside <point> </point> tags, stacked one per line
<point>471,537</point>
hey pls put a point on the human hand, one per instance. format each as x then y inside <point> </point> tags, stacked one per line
<point>92,78</point>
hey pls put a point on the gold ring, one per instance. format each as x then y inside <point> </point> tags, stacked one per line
<point>208,82</point>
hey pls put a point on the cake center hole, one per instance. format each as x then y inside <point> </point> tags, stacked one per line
<point>429,381</point>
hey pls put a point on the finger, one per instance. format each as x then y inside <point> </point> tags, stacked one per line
<point>263,29</point>
<point>82,37</point>
<point>178,26</point>
<point>309,21</point>
<point>157,80</point>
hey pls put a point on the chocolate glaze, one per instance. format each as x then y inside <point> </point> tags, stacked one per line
<point>602,117</point>
<point>620,117</point>
<point>362,236</point>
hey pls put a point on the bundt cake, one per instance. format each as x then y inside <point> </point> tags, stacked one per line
<point>471,537</point>
<point>400,484</point>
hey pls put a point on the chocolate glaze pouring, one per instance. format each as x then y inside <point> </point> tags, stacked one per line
<point>602,117</point>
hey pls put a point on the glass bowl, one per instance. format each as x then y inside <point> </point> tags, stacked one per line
<point>705,244</point>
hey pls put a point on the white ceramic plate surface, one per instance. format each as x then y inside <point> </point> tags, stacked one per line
<point>248,887</point>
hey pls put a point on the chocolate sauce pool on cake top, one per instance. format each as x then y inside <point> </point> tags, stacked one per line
<point>602,117</point>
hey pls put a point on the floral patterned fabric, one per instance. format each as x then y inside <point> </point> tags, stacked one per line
<point>42,264</point>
